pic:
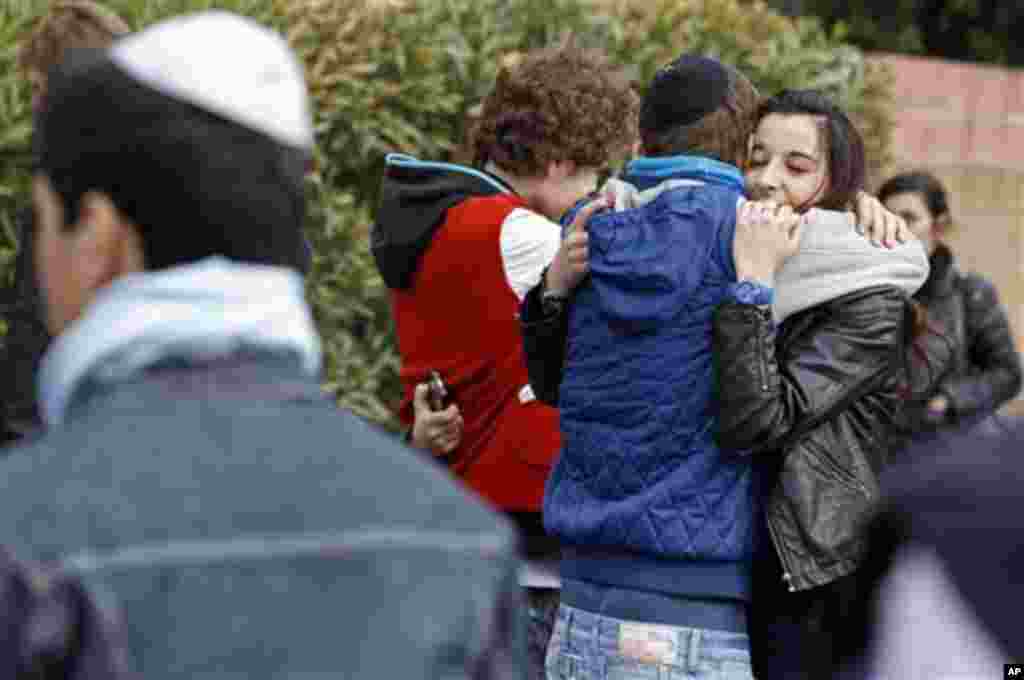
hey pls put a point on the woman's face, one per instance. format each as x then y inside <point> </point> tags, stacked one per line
<point>788,161</point>
<point>914,211</point>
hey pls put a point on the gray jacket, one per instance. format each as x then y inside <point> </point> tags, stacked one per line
<point>249,529</point>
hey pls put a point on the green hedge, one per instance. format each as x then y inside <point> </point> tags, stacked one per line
<point>405,75</point>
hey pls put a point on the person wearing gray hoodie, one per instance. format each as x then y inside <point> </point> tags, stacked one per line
<point>814,384</point>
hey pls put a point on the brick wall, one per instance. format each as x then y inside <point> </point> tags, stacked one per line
<point>966,124</point>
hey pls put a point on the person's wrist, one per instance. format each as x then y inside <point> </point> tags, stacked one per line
<point>554,285</point>
<point>552,302</point>
<point>752,292</point>
<point>760,275</point>
<point>418,438</point>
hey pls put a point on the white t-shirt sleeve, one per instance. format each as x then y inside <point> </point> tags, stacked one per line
<point>529,243</point>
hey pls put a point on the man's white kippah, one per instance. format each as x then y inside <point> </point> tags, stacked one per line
<point>228,65</point>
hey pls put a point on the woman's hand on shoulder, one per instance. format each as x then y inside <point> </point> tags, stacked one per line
<point>883,228</point>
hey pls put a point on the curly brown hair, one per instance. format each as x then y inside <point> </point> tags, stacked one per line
<point>557,104</point>
<point>721,135</point>
<point>68,25</point>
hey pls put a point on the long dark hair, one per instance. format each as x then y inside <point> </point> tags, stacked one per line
<point>923,341</point>
<point>923,332</point>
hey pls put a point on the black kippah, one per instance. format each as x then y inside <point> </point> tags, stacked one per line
<point>683,92</point>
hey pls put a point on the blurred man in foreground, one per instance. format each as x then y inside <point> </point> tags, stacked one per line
<point>192,469</point>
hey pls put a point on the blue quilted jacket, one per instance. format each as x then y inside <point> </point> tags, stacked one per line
<point>640,478</point>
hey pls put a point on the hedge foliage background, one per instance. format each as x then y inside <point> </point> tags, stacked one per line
<point>405,75</point>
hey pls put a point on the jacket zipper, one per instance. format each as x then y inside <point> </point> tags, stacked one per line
<point>787,572</point>
<point>760,354</point>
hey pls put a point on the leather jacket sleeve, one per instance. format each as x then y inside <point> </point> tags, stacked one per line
<point>767,400</point>
<point>544,338</point>
<point>995,369</point>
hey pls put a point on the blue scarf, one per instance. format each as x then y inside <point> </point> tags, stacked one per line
<point>646,172</point>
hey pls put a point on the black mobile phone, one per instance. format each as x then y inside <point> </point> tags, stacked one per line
<point>437,392</point>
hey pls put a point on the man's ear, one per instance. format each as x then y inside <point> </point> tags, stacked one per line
<point>108,244</point>
<point>942,225</point>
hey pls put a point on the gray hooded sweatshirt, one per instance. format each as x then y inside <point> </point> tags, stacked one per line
<point>834,259</point>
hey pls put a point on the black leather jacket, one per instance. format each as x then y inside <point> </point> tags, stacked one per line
<point>818,404</point>
<point>986,369</point>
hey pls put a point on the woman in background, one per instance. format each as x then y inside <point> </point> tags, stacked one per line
<point>985,372</point>
<point>813,386</point>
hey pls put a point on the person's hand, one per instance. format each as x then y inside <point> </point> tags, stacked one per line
<point>571,262</point>
<point>883,228</point>
<point>439,432</point>
<point>766,236</point>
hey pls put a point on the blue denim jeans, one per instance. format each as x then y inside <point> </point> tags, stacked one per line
<point>588,646</point>
<point>542,607</point>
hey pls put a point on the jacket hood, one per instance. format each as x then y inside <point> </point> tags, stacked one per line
<point>415,196</point>
<point>834,260</point>
<point>645,179</point>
